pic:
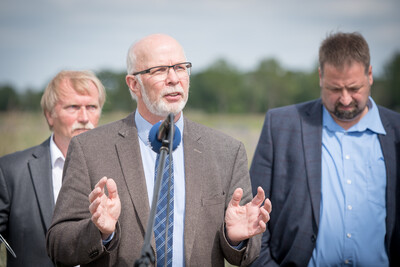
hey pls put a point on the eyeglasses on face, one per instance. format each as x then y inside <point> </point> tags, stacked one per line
<point>182,70</point>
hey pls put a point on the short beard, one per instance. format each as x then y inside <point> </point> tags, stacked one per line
<point>159,107</point>
<point>347,115</point>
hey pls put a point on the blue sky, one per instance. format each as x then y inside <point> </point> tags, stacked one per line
<point>41,37</point>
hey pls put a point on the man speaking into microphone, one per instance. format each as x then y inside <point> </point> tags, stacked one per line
<point>103,208</point>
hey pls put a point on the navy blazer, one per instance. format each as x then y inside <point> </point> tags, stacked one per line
<point>287,165</point>
<point>26,204</point>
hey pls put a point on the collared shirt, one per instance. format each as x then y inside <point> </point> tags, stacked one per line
<point>149,161</point>
<point>57,165</point>
<point>353,194</point>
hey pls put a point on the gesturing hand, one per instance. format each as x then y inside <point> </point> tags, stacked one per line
<point>105,209</point>
<point>243,222</point>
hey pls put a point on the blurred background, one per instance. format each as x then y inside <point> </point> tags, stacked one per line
<point>248,56</point>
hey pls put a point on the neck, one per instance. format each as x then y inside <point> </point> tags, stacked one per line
<point>153,119</point>
<point>61,144</point>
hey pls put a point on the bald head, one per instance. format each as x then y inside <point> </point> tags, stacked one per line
<point>160,84</point>
<point>152,49</point>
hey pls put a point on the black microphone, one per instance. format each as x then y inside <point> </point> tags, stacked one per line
<point>160,131</point>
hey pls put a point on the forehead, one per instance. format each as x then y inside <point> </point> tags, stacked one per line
<point>160,53</point>
<point>67,92</point>
<point>347,73</point>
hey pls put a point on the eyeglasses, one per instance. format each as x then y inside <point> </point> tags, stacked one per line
<point>182,70</point>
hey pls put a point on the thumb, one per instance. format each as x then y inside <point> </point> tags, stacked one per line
<point>236,197</point>
<point>112,189</point>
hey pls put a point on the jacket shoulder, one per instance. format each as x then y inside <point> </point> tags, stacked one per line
<point>23,155</point>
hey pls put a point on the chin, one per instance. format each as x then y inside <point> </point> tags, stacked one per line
<point>77,132</point>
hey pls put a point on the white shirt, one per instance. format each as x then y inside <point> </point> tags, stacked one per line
<point>57,165</point>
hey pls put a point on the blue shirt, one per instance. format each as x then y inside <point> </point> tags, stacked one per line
<point>149,162</point>
<point>352,224</point>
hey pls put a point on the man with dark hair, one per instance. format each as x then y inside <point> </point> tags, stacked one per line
<point>331,168</point>
<point>30,180</point>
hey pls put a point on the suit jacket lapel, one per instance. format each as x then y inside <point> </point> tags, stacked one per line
<point>389,154</point>
<point>128,150</point>
<point>40,171</point>
<point>311,124</point>
<point>195,166</point>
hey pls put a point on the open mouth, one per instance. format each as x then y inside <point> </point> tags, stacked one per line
<point>173,96</point>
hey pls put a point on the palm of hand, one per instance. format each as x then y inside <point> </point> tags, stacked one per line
<point>242,222</point>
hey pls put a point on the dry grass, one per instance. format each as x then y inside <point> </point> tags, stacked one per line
<point>20,130</point>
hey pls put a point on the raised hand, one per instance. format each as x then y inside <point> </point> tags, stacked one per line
<point>105,209</point>
<point>243,222</point>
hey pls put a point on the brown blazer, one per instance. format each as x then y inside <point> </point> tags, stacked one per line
<point>215,165</point>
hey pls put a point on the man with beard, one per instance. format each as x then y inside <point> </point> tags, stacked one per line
<point>211,220</point>
<point>331,168</point>
<point>30,180</point>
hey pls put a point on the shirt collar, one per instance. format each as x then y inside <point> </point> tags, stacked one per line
<point>371,121</point>
<point>55,152</point>
<point>144,127</point>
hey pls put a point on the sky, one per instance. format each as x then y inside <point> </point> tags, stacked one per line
<point>42,37</point>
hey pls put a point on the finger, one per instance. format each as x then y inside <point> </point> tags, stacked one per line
<point>112,189</point>
<point>95,218</point>
<point>236,197</point>
<point>268,205</point>
<point>94,194</point>
<point>102,182</point>
<point>262,226</point>
<point>94,206</point>
<point>98,189</point>
<point>264,215</point>
<point>259,198</point>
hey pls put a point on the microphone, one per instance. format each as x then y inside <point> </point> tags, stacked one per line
<point>160,131</point>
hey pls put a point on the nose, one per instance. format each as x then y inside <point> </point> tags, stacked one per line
<point>345,98</point>
<point>172,77</point>
<point>83,115</point>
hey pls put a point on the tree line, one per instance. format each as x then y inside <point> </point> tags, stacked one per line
<point>223,88</point>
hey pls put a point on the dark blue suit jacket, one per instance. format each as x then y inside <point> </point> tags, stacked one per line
<point>26,204</point>
<point>287,165</point>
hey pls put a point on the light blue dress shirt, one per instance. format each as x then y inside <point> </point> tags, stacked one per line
<point>353,194</point>
<point>149,162</point>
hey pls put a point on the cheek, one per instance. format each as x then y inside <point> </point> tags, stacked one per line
<point>329,99</point>
<point>64,122</point>
<point>94,117</point>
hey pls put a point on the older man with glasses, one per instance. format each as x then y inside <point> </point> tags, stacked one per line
<point>208,218</point>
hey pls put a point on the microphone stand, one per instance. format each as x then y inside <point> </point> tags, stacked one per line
<point>147,255</point>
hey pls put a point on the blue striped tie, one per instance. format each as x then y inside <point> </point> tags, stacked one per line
<point>164,253</point>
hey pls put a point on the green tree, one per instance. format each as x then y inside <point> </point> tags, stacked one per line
<point>392,77</point>
<point>30,100</point>
<point>9,99</point>
<point>220,88</point>
<point>118,96</point>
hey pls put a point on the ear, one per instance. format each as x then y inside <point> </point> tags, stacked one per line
<point>320,76</point>
<point>370,76</point>
<point>133,84</point>
<point>49,118</point>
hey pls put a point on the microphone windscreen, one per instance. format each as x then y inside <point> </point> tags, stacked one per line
<point>156,144</point>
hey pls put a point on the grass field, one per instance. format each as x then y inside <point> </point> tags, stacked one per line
<point>20,130</point>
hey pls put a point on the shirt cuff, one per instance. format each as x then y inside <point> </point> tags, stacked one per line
<point>105,242</point>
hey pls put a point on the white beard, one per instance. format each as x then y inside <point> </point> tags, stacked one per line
<point>159,107</point>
